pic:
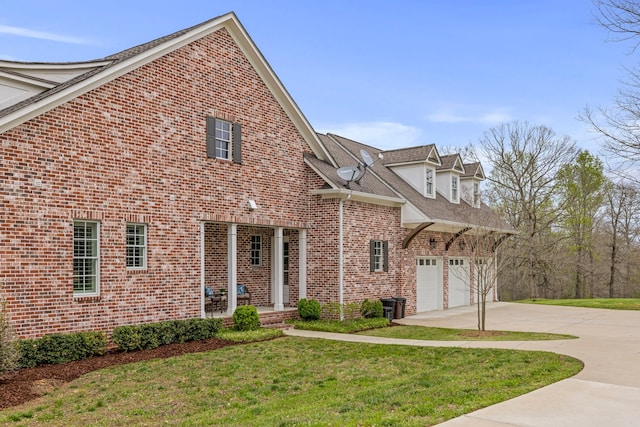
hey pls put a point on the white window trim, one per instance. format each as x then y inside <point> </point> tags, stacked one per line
<point>96,257</point>
<point>143,246</point>
<point>455,189</point>
<point>253,250</point>
<point>220,137</point>
<point>378,256</point>
<point>431,194</point>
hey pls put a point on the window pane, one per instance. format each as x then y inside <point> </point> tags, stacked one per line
<point>85,257</point>
<point>136,246</point>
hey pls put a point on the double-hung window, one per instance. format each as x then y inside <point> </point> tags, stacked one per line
<point>454,189</point>
<point>86,257</point>
<point>378,256</point>
<point>224,140</point>
<point>428,189</point>
<point>136,252</point>
<point>256,250</point>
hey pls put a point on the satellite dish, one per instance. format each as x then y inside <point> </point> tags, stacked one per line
<point>368,160</point>
<point>348,173</point>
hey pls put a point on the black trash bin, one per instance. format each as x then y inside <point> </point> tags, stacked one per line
<point>388,306</point>
<point>399,308</point>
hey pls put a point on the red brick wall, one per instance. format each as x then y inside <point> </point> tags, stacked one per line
<point>134,149</point>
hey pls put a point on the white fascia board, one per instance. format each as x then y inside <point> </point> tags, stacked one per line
<point>25,79</point>
<point>358,196</point>
<point>242,39</point>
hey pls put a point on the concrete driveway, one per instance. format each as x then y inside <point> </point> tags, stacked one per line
<point>605,393</point>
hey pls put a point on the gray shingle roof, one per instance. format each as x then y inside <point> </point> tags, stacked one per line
<point>384,182</point>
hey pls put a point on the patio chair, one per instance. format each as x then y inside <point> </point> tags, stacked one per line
<point>244,296</point>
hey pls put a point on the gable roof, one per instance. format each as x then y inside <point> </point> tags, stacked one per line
<point>452,162</point>
<point>473,170</point>
<point>423,153</point>
<point>380,183</point>
<point>46,94</point>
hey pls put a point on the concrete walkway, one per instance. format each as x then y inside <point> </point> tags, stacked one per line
<point>605,393</point>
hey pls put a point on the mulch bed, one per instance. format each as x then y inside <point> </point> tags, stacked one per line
<point>27,384</point>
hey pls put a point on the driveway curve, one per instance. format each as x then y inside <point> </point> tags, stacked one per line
<point>605,393</point>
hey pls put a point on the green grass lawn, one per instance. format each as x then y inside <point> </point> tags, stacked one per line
<point>611,303</point>
<point>293,381</point>
<point>447,334</point>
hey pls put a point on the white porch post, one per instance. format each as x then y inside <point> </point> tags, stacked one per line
<point>278,269</point>
<point>202,269</point>
<point>232,268</point>
<point>302,264</point>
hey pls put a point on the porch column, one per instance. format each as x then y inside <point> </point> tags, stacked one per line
<point>232,268</point>
<point>278,269</point>
<point>302,264</point>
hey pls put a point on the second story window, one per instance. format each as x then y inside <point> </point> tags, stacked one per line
<point>428,189</point>
<point>454,189</point>
<point>224,140</point>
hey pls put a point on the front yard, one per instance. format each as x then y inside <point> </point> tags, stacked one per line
<point>293,381</point>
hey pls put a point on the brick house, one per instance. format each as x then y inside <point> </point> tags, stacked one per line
<point>133,183</point>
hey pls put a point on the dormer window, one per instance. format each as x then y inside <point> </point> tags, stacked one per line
<point>476,194</point>
<point>429,188</point>
<point>455,195</point>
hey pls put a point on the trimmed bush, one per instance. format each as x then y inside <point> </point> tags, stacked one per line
<point>61,348</point>
<point>8,345</point>
<point>371,309</point>
<point>309,309</point>
<point>153,335</point>
<point>245,318</point>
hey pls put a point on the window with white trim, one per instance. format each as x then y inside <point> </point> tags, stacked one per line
<point>378,256</point>
<point>256,250</point>
<point>454,190</point>
<point>86,257</point>
<point>223,139</point>
<point>429,187</point>
<point>136,252</point>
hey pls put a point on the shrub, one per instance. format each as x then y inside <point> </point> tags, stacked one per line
<point>370,309</point>
<point>152,335</point>
<point>245,318</point>
<point>8,346</point>
<point>61,348</point>
<point>309,309</point>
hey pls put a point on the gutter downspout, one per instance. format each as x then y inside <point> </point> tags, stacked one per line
<point>340,259</point>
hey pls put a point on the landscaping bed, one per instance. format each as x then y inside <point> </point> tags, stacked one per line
<point>29,383</point>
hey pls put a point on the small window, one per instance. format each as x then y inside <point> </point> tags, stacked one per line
<point>454,189</point>
<point>476,194</point>
<point>223,140</point>
<point>256,250</point>
<point>86,258</point>
<point>136,246</point>
<point>428,190</point>
<point>378,255</point>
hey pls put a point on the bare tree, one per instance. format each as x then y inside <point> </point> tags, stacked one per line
<point>525,161</point>
<point>619,125</point>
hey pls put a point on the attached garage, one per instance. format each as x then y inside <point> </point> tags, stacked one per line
<point>429,295</point>
<point>459,289</point>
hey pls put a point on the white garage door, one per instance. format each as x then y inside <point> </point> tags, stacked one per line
<point>459,292</point>
<point>428,284</point>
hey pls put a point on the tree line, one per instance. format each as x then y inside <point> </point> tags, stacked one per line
<point>577,215</point>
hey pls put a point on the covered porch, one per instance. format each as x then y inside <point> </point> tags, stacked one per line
<point>270,261</point>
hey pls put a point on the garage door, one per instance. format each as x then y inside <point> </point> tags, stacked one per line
<point>459,292</point>
<point>428,284</point>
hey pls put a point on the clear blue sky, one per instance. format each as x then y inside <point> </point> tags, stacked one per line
<point>389,73</point>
